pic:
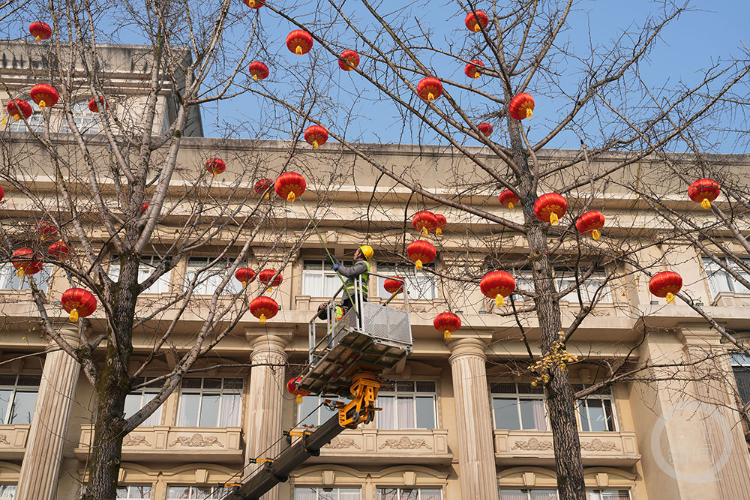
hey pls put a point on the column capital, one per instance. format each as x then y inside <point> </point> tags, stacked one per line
<point>701,335</point>
<point>270,335</point>
<point>69,332</point>
<point>467,347</point>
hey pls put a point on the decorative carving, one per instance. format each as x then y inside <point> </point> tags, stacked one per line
<point>404,444</point>
<point>135,440</point>
<point>533,444</point>
<point>599,445</point>
<point>197,441</point>
<point>338,443</point>
<point>4,439</point>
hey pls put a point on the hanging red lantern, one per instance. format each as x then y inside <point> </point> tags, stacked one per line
<point>421,252</point>
<point>508,199</point>
<point>59,250</point>
<point>17,108</point>
<point>262,186</point>
<point>40,30</point>
<point>258,70</point>
<point>665,284</point>
<point>393,285</point>
<point>292,387</point>
<point>442,222</point>
<point>447,323</point>
<point>263,308</point>
<point>244,275</point>
<point>704,191</point>
<point>26,262</point>
<point>429,89</point>
<point>2,193</point>
<point>472,69</point>
<point>46,231</point>
<point>485,128</point>
<point>255,4</point>
<point>290,186</point>
<point>497,285</point>
<point>78,302</point>
<point>144,207</point>
<point>521,106</point>
<point>550,207</point>
<point>316,135</point>
<point>348,60</point>
<point>299,41</point>
<point>266,277</point>
<point>44,95</point>
<point>424,222</point>
<point>477,22</point>
<point>590,223</point>
<point>94,104</point>
<point>215,166</point>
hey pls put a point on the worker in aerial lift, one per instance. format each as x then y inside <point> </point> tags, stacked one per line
<point>361,267</point>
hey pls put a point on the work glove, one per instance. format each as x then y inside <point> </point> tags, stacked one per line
<point>336,266</point>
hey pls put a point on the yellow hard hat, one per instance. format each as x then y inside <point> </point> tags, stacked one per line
<point>367,251</point>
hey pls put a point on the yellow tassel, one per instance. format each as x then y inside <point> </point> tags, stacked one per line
<point>476,74</point>
<point>706,204</point>
<point>447,335</point>
<point>291,197</point>
<point>529,112</point>
<point>419,265</point>
<point>298,50</point>
<point>424,231</point>
<point>477,27</point>
<point>255,76</point>
<point>251,3</point>
<point>299,399</point>
<point>499,300</point>
<point>42,104</point>
<point>215,173</point>
<point>16,117</point>
<point>38,38</point>
<point>262,319</point>
<point>553,219</point>
<point>430,97</point>
<point>74,315</point>
<point>4,120</point>
<point>268,196</point>
<point>20,273</point>
<point>244,283</point>
<point>438,231</point>
<point>510,205</point>
<point>595,234</point>
<point>315,144</point>
<point>670,298</point>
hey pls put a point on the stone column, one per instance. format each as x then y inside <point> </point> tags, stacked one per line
<point>49,424</point>
<point>476,453</point>
<point>265,399</point>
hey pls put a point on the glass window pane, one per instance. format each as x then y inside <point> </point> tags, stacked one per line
<point>155,417</point>
<point>313,265</point>
<point>741,376</point>
<point>425,412</point>
<point>7,490</point>
<point>615,495</point>
<point>409,495</point>
<point>122,492</point>
<point>609,415</point>
<point>386,418</point>
<point>430,494</point>
<point>406,412</point>
<point>23,407</point>
<point>312,284</point>
<point>598,418</point>
<point>5,397</point>
<point>209,410</point>
<point>542,495</point>
<point>532,415</point>
<point>583,416</point>
<point>175,492</point>
<point>189,404</point>
<point>308,405</point>
<point>305,494</point>
<point>387,494</point>
<point>513,495</point>
<point>332,283</point>
<point>132,404</point>
<point>140,492</point>
<point>405,386</point>
<point>506,414</point>
<point>349,494</point>
<point>231,408</point>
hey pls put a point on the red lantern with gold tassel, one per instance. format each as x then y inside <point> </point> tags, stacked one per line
<point>263,308</point>
<point>477,22</point>
<point>472,69</point>
<point>665,284</point>
<point>26,261</point>
<point>442,223</point>
<point>421,252</point>
<point>46,231</point>
<point>144,207</point>
<point>255,4</point>
<point>424,222</point>
<point>550,208</point>
<point>258,70</point>
<point>244,275</point>
<point>393,285</point>
<point>521,106</point>
<point>40,30</point>
<point>17,108</point>
<point>299,41</point>
<point>316,136</point>
<point>497,285</point>
<point>292,387</point>
<point>508,199</point>
<point>447,323</point>
<point>79,303</point>
<point>94,104</point>
<point>266,277</point>
<point>44,95</point>
<point>215,166</point>
<point>262,187</point>
<point>290,186</point>
<point>59,250</point>
<point>704,191</point>
<point>348,60</point>
<point>429,89</point>
<point>590,223</point>
<point>485,128</point>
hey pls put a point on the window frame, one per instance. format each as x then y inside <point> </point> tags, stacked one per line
<point>128,493</point>
<point>733,286</point>
<point>325,272</point>
<point>414,280</point>
<point>3,490</point>
<point>602,397</point>
<point>598,491</point>
<point>16,388</point>
<point>519,397</point>
<point>143,392</point>
<point>164,281</point>
<point>740,363</point>
<point>214,273</point>
<point>400,491</point>
<point>397,394</point>
<point>318,410</point>
<point>202,391</point>
<point>588,287</point>
<point>87,122</point>
<point>35,121</point>
<point>321,489</point>
<point>217,492</point>
<point>8,276</point>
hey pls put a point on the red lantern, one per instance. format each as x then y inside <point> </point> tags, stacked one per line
<point>316,135</point>
<point>292,385</point>
<point>46,231</point>
<point>215,166</point>
<point>665,284</point>
<point>472,69</point>
<point>255,4</point>
<point>442,222</point>
<point>244,275</point>
<point>94,104</point>
<point>78,302</point>
<point>348,60</point>
<point>40,30</point>
<point>290,186</point>
<point>477,22</point>
<point>424,221</point>
<point>17,108</point>
<point>258,70</point>
<point>550,207</point>
<point>447,323</point>
<point>300,42</point>
<point>522,106</point>
<point>429,89</point>
<point>590,223</point>
<point>262,186</point>
<point>44,95</point>
<point>266,277</point>
<point>263,308</point>
<point>144,207</point>
<point>26,262</point>
<point>497,285</point>
<point>485,128</point>
<point>393,285</point>
<point>421,252</point>
<point>508,198</point>
<point>59,250</point>
<point>2,193</point>
<point>704,191</point>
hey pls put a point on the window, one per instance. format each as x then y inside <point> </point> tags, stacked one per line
<point>196,492</point>
<point>137,399</point>
<point>419,284</point>
<point>410,494</point>
<point>17,398</point>
<point>596,411</point>
<point>608,494</point>
<point>147,267</point>
<point>508,494</point>
<point>313,412</point>
<point>524,281</point>
<point>128,492</point>
<point>86,120</point>
<point>7,491</point>
<point>210,402</point>
<point>719,280</point>
<point>594,286</point>
<point>308,493</point>
<point>36,121</point>
<point>319,280</point>
<point>518,406</point>
<point>211,278</point>
<point>408,405</point>
<point>9,280</point>
<point>741,369</point>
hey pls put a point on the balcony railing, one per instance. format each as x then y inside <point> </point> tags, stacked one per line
<point>13,441</point>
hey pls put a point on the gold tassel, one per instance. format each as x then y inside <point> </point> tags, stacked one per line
<point>255,76</point>
<point>447,335</point>
<point>706,204</point>
<point>553,219</point>
<point>510,205</point>
<point>430,97</point>
<point>42,104</point>
<point>476,74</point>
<point>251,3</point>
<point>262,319</point>
<point>529,113</point>
<point>268,196</point>
<point>499,300</point>
<point>38,38</point>
<point>291,197</point>
<point>299,399</point>
<point>16,117</point>
<point>670,298</point>
<point>298,50</point>
<point>74,315</point>
<point>215,173</point>
<point>424,231</point>
<point>419,265</point>
<point>438,231</point>
<point>595,234</point>
<point>20,273</point>
<point>315,144</point>
<point>477,28</point>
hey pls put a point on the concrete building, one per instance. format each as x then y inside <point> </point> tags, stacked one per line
<point>460,421</point>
